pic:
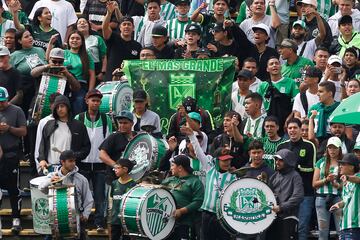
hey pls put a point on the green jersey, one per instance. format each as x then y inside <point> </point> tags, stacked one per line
<point>351,199</point>
<point>327,188</point>
<point>167,11</point>
<point>294,71</point>
<point>285,85</point>
<point>270,148</point>
<point>42,38</point>
<point>117,191</point>
<point>23,18</point>
<point>176,28</point>
<point>25,60</point>
<point>74,60</point>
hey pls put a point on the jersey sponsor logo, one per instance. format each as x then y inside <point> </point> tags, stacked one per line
<point>302,153</point>
<point>134,52</point>
<point>248,205</point>
<point>315,32</point>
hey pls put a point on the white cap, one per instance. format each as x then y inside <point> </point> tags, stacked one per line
<point>310,2</point>
<point>334,59</point>
<point>4,51</point>
<point>262,26</point>
<point>334,141</point>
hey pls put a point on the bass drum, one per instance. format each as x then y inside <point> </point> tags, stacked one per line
<point>147,152</point>
<point>63,216</point>
<point>146,211</point>
<point>117,96</point>
<point>245,207</point>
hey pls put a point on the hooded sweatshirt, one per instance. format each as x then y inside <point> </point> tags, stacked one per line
<point>287,186</point>
<point>83,197</point>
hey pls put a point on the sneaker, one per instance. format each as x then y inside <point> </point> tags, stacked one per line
<point>16,227</point>
<point>100,229</point>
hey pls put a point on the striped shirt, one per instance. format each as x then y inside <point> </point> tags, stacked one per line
<point>327,188</point>
<point>325,8</point>
<point>167,11</point>
<point>351,199</point>
<point>176,28</point>
<point>270,148</point>
<point>143,29</point>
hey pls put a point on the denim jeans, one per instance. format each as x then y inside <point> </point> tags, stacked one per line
<point>97,177</point>
<point>350,234</point>
<point>77,100</point>
<point>305,213</point>
<point>323,215</point>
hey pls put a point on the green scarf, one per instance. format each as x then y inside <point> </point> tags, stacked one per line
<point>354,42</point>
<point>324,113</point>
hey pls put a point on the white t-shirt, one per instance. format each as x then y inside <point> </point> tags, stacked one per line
<point>247,25</point>
<point>61,139</point>
<point>309,50</point>
<point>63,14</point>
<point>312,99</point>
<point>253,87</point>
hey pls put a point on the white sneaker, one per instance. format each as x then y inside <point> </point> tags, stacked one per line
<point>16,227</point>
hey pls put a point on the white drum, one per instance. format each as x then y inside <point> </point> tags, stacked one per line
<point>245,207</point>
<point>40,207</point>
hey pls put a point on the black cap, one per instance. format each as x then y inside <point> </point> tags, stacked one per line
<point>226,1</point>
<point>159,31</point>
<point>67,154</point>
<point>313,72</point>
<point>177,2</point>
<point>93,92</point>
<point>126,18</point>
<point>219,27</point>
<point>189,104</point>
<point>350,158</point>
<point>245,74</point>
<point>124,162</point>
<point>193,27</point>
<point>139,95</point>
<point>203,50</point>
<point>345,19</point>
<point>184,161</point>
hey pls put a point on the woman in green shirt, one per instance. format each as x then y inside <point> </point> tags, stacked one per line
<point>328,187</point>
<point>42,30</point>
<point>95,46</point>
<point>24,59</point>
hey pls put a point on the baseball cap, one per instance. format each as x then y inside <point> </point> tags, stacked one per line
<point>4,51</point>
<point>310,2</point>
<point>245,74</point>
<point>226,1</point>
<point>195,116</point>
<point>139,95</point>
<point>189,104</point>
<point>159,31</point>
<point>334,59</point>
<point>219,27</point>
<point>184,161</point>
<point>263,27</point>
<point>288,43</point>
<point>345,19</point>
<point>193,27</point>
<point>222,154</point>
<point>93,92</point>
<point>126,18</point>
<point>67,154</point>
<point>313,72</point>
<point>57,53</point>
<point>334,141</point>
<point>350,158</point>
<point>357,146</point>
<point>301,23</point>
<point>125,114</point>
<point>177,2</point>
<point>203,50</point>
<point>4,95</point>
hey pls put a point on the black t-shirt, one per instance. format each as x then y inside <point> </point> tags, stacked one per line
<point>166,53</point>
<point>114,145</point>
<point>132,8</point>
<point>262,59</point>
<point>181,50</point>
<point>119,50</point>
<point>11,80</point>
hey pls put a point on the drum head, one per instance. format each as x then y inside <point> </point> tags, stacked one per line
<point>246,206</point>
<point>35,182</point>
<point>157,222</point>
<point>123,98</point>
<point>141,150</point>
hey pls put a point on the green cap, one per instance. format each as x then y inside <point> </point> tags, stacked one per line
<point>357,146</point>
<point>195,116</point>
<point>3,94</point>
<point>301,23</point>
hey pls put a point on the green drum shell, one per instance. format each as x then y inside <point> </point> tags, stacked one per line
<point>147,151</point>
<point>117,96</point>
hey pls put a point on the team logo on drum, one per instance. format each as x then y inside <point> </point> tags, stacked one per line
<point>248,205</point>
<point>157,213</point>
<point>42,209</point>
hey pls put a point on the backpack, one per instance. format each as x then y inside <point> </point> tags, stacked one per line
<point>103,120</point>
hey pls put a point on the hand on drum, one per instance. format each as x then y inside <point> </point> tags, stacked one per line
<point>55,178</point>
<point>276,208</point>
<point>186,130</point>
<point>172,143</point>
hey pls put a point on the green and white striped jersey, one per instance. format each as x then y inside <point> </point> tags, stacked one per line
<point>327,188</point>
<point>270,148</point>
<point>351,198</point>
<point>325,8</point>
<point>167,11</point>
<point>176,28</point>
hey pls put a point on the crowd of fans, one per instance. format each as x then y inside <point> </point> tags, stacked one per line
<point>295,62</point>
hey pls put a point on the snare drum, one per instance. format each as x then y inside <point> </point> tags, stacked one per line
<point>40,207</point>
<point>49,84</point>
<point>146,211</point>
<point>117,96</point>
<point>147,151</point>
<point>245,207</point>
<point>63,216</point>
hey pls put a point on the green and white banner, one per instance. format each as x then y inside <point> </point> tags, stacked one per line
<point>168,82</point>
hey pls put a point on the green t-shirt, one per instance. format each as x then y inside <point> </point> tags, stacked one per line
<point>294,71</point>
<point>285,85</point>
<point>96,47</point>
<point>351,198</point>
<point>41,38</point>
<point>270,148</point>
<point>117,191</point>
<point>25,60</point>
<point>327,188</point>
<point>74,60</point>
<point>23,18</point>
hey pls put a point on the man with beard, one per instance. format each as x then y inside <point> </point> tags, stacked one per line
<point>298,32</point>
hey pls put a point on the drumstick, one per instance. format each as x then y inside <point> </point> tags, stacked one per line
<point>255,200</point>
<point>55,149</point>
